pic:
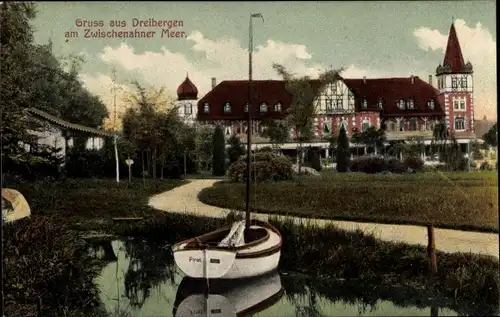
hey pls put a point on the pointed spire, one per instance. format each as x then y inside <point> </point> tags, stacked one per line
<point>453,57</point>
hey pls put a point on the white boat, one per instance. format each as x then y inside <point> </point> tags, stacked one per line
<point>224,298</point>
<point>231,252</point>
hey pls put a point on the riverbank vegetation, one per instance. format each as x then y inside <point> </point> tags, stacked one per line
<point>467,201</point>
<point>58,212</point>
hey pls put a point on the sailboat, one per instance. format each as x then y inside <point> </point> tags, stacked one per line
<point>224,298</point>
<point>246,249</point>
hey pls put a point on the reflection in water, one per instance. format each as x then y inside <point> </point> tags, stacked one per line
<point>243,297</point>
<point>144,282</point>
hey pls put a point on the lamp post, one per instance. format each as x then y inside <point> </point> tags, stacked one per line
<point>249,121</point>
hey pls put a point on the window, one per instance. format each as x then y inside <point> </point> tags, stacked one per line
<point>431,104</point>
<point>456,105</point>
<point>277,107</point>
<point>462,104</point>
<point>340,103</point>
<point>380,104</point>
<point>454,82</point>
<point>343,124</point>
<point>263,107</point>
<point>464,82</point>
<point>459,123</point>
<point>364,104</point>
<point>228,130</point>
<point>206,108</point>
<point>188,108</point>
<point>401,125</point>
<point>401,104</point>
<point>326,128</point>
<point>410,104</point>
<point>412,124</point>
<point>227,107</point>
<point>329,106</point>
<point>365,125</point>
<point>246,107</point>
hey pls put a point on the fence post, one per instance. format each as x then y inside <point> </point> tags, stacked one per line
<point>431,250</point>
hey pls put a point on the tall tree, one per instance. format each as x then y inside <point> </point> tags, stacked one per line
<point>491,137</point>
<point>357,138</point>
<point>219,151</point>
<point>303,91</point>
<point>235,149</point>
<point>343,152</point>
<point>277,131</point>
<point>203,148</point>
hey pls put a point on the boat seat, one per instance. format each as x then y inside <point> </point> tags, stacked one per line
<point>236,236</point>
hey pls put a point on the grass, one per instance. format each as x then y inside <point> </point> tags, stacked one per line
<point>64,283</point>
<point>466,201</point>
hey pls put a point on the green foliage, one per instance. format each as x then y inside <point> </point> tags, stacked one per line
<point>219,153</point>
<point>266,167</point>
<point>415,163</point>
<point>203,148</point>
<point>44,259</point>
<point>372,164</point>
<point>376,198</point>
<point>314,159</point>
<point>276,130</point>
<point>235,149</point>
<point>490,137</point>
<point>343,151</point>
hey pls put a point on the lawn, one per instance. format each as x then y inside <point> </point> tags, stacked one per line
<point>467,201</point>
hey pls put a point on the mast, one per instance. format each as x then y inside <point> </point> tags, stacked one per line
<point>249,120</point>
<point>249,128</point>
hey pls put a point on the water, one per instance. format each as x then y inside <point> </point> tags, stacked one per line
<point>142,280</point>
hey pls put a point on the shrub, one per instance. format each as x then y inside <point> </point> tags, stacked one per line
<point>219,153</point>
<point>394,165</point>
<point>235,149</point>
<point>266,166</point>
<point>343,152</point>
<point>314,159</point>
<point>369,164</point>
<point>413,162</point>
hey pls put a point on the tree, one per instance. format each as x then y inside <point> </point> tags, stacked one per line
<point>343,152</point>
<point>219,151</point>
<point>490,137</point>
<point>276,130</point>
<point>303,93</point>
<point>203,148</point>
<point>357,138</point>
<point>235,149</point>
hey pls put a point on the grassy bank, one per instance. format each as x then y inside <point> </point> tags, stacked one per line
<point>467,201</point>
<point>45,256</point>
<point>60,208</point>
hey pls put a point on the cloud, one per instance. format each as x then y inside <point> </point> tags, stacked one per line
<point>478,47</point>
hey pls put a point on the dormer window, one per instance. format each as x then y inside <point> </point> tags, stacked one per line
<point>401,104</point>
<point>364,104</point>
<point>227,107</point>
<point>246,107</point>
<point>431,104</point>
<point>410,104</point>
<point>380,104</point>
<point>263,107</point>
<point>206,108</point>
<point>277,107</point>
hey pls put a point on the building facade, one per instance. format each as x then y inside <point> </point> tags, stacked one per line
<point>407,106</point>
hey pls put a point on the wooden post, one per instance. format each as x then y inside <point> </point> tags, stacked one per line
<point>185,168</point>
<point>116,159</point>
<point>431,250</point>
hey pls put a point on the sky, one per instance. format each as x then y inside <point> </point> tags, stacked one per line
<point>366,38</point>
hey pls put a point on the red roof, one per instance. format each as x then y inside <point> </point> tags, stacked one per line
<point>453,56</point>
<point>391,90</point>
<point>187,90</point>
<point>271,92</point>
<point>236,93</point>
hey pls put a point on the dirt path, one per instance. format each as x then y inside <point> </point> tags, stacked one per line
<point>184,199</point>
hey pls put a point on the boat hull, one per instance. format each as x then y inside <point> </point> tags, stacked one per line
<point>201,260</point>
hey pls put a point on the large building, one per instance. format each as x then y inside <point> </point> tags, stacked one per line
<point>408,106</point>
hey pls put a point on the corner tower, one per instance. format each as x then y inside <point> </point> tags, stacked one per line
<point>455,84</point>
<point>187,100</point>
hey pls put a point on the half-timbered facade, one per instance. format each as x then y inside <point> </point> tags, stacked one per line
<point>407,106</point>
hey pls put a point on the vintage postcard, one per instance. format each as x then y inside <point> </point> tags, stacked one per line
<point>272,159</point>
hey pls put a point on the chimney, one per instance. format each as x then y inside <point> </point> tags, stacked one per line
<point>214,82</point>
<point>430,80</point>
<point>412,79</point>
<point>364,79</point>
